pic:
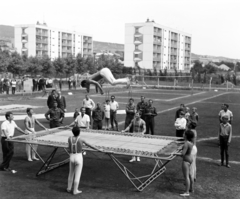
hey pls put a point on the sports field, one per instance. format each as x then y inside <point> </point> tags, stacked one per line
<point>102,179</point>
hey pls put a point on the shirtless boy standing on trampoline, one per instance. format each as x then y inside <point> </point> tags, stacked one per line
<point>105,74</point>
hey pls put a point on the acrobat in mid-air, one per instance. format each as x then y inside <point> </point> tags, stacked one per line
<point>103,74</point>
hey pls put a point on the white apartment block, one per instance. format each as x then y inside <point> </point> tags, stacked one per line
<point>39,40</point>
<point>150,45</point>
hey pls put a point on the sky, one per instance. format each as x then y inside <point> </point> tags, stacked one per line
<point>214,24</point>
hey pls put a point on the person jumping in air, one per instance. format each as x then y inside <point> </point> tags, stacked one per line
<point>105,74</point>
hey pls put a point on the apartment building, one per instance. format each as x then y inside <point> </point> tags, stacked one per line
<point>150,45</point>
<point>39,40</point>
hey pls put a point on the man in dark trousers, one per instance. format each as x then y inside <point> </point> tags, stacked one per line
<point>130,112</point>
<point>51,99</point>
<point>141,106</point>
<point>61,102</point>
<point>97,116</point>
<point>55,115</point>
<point>150,113</point>
<point>7,132</point>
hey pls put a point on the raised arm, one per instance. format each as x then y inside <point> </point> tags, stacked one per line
<point>96,84</point>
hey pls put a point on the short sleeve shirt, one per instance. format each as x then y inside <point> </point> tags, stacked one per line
<point>82,121</point>
<point>228,113</point>
<point>8,127</point>
<point>114,106</point>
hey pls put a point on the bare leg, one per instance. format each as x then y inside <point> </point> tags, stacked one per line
<point>35,146</point>
<point>28,151</point>
<point>185,169</point>
<point>108,76</point>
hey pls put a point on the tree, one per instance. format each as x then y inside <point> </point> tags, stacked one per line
<point>33,66</point>
<point>47,66</point>
<point>16,65</point>
<point>4,60</point>
<point>70,66</point>
<point>79,64</point>
<point>209,69</point>
<point>60,66</point>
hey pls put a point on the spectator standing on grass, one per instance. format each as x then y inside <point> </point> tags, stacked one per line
<point>55,115</point>
<point>61,102</point>
<point>7,132</point>
<point>60,84</point>
<point>69,83</point>
<point>141,106</point>
<point>82,120</point>
<point>113,112</point>
<point>187,114</point>
<point>51,99</point>
<point>138,126</point>
<point>180,125</point>
<point>14,84</point>
<point>107,114</point>
<point>194,117</point>
<point>89,105</point>
<point>226,112</point>
<point>130,112</point>
<point>225,136</point>
<point>181,109</point>
<point>98,116</point>
<point>150,113</point>
<point>29,123</point>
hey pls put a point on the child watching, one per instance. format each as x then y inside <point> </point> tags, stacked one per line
<point>180,125</point>
<point>225,136</point>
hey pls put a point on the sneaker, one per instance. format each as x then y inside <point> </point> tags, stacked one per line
<point>138,159</point>
<point>228,166</point>
<point>185,194</point>
<point>132,160</point>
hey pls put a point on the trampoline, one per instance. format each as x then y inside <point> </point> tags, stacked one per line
<point>160,148</point>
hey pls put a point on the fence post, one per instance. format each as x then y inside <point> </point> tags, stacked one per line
<point>210,84</point>
<point>158,82</point>
<point>227,85</point>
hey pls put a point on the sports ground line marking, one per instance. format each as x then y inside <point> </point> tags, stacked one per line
<point>159,93</point>
<point>184,96</point>
<point>217,161</point>
<point>218,103</point>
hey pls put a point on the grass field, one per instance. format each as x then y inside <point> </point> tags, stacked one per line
<point>102,179</point>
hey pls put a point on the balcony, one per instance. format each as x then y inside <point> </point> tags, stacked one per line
<point>173,61</point>
<point>173,52</point>
<point>158,34</point>
<point>156,58</point>
<point>174,45</point>
<point>24,49</point>
<point>41,48</point>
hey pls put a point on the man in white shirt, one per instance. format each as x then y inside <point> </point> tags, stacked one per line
<point>89,105</point>
<point>13,83</point>
<point>113,112</point>
<point>82,120</point>
<point>7,132</point>
<point>225,112</point>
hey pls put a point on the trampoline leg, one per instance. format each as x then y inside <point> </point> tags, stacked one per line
<point>47,166</point>
<point>136,181</point>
